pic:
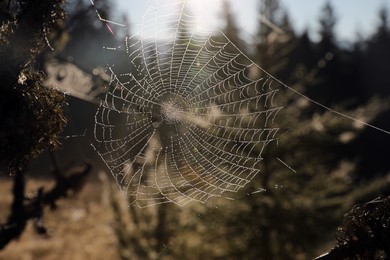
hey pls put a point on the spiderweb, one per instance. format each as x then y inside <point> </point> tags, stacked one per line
<point>190,118</point>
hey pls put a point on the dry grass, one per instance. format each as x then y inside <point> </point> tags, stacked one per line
<point>81,227</point>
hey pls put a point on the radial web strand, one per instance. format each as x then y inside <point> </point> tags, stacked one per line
<point>191,117</point>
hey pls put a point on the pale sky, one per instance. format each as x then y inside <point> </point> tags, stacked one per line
<point>353,15</point>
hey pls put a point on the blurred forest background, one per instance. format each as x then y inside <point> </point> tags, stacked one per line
<point>338,162</point>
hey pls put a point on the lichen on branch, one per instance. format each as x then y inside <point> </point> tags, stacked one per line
<point>31,115</point>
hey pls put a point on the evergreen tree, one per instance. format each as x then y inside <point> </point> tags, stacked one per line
<point>275,42</point>
<point>327,22</point>
<point>328,58</point>
<point>302,60</point>
<point>371,63</point>
<point>230,28</point>
<point>268,34</point>
<point>270,13</point>
<point>377,61</point>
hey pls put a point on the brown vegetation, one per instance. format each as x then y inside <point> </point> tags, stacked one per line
<point>80,229</point>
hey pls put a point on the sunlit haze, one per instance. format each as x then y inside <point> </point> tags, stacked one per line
<point>353,16</point>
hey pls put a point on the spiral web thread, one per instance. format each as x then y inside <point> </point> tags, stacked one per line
<point>191,117</point>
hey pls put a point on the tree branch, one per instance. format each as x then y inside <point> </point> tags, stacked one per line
<point>365,232</point>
